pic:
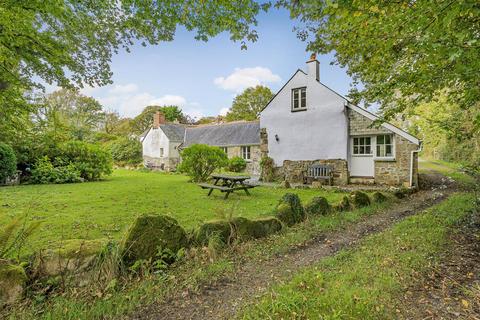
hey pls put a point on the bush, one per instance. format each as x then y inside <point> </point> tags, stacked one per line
<point>379,197</point>
<point>151,234</point>
<point>254,229</point>
<point>267,165</point>
<point>344,205</point>
<point>8,162</point>
<point>91,161</point>
<point>45,172</point>
<point>290,210</point>
<point>359,199</point>
<point>237,164</point>
<point>126,151</point>
<point>318,206</point>
<point>200,160</point>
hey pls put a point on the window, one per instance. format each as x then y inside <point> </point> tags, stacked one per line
<point>299,99</point>
<point>161,152</point>
<point>362,146</point>
<point>385,146</point>
<point>224,149</point>
<point>246,153</point>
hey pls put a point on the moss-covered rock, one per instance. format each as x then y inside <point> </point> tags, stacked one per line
<point>12,282</point>
<point>344,205</point>
<point>220,228</point>
<point>266,226</point>
<point>150,234</point>
<point>318,206</point>
<point>379,197</point>
<point>359,199</point>
<point>403,192</point>
<point>290,210</point>
<point>69,256</point>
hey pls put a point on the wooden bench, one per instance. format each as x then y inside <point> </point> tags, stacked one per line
<point>320,171</point>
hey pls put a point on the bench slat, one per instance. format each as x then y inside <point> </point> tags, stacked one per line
<point>212,186</point>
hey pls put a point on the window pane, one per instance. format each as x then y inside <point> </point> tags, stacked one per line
<point>380,139</point>
<point>378,151</point>
<point>355,141</point>
<point>388,139</point>
<point>362,141</point>
<point>355,150</point>
<point>304,102</point>
<point>362,150</point>
<point>388,150</point>
<point>367,150</point>
<point>367,141</point>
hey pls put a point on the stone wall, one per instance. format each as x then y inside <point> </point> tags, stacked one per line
<point>263,142</point>
<point>397,171</point>
<point>361,125</point>
<point>253,166</point>
<point>164,164</point>
<point>295,171</point>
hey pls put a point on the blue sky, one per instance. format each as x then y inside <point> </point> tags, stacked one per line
<point>204,77</point>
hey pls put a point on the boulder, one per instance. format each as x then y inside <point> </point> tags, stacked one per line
<point>379,197</point>
<point>290,210</point>
<point>12,282</point>
<point>220,228</point>
<point>254,229</point>
<point>151,234</point>
<point>318,206</point>
<point>71,256</point>
<point>359,199</point>
<point>344,205</point>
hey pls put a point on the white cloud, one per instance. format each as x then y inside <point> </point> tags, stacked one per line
<point>223,111</point>
<point>124,89</point>
<point>243,78</point>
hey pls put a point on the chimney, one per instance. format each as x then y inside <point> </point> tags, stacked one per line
<point>158,119</point>
<point>313,67</point>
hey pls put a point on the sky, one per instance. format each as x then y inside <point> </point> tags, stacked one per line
<point>204,77</point>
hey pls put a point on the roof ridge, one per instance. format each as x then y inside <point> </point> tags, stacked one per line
<point>222,124</point>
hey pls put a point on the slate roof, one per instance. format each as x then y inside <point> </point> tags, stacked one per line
<point>174,132</point>
<point>228,134</point>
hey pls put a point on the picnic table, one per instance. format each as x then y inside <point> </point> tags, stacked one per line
<point>227,184</point>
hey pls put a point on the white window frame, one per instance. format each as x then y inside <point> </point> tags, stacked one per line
<point>299,95</point>
<point>356,148</point>
<point>391,144</point>
<point>162,153</point>
<point>246,153</point>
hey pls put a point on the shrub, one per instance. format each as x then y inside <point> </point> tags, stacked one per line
<point>200,160</point>
<point>267,164</point>
<point>91,161</point>
<point>237,164</point>
<point>44,172</point>
<point>379,197</point>
<point>318,206</point>
<point>8,162</point>
<point>254,229</point>
<point>221,229</point>
<point>290,210</point>
<point>126,151</point>
<point>151,234</point>
<point>359,199</point>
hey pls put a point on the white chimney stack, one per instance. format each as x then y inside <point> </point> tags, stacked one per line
<point>313,67</point>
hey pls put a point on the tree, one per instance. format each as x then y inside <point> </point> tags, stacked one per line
<point>403,53</point>
<point>200,160</point>
<point>249,103</point>
<point>71,42</point>
<point>145,119</point>
<point>8,162</point>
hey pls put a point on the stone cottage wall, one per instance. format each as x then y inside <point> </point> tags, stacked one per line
<point>253,166</point>
<point>397,172</point>
<point>361,125</point>
<point>294,171</point>
<point>165,163</point>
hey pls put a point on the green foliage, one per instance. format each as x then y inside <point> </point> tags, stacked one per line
<point>126,151</point>
<point>45,172</point>
<point>290,210</point>
<point>220,229</point>
<point>248,104</point>
<point>236,164</point>
<point>91,161</point>
<point>145,119</point>
<point>8,162</point>
<point>344,205</point>
<point>13,236</point>
<point>151,233</point>
<point>267,164</point>
<point>318,206</point>
<point>379,197</point>
<point>359,199</point>
<point>402,54</point>
<point>200,160</point>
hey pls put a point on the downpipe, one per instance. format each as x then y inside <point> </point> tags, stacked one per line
<point>420,147</point>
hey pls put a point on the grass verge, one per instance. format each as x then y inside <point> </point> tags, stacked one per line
<point>363,283</point>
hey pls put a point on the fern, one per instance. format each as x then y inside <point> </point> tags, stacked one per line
<point>14,235</point>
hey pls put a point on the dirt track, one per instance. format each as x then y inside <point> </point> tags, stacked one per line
<point>225,298</point>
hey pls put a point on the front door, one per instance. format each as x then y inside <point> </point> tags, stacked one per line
<point>361,157</point>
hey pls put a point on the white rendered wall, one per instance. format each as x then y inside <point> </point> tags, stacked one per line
<point>320,132</point>
<point>154,140</point>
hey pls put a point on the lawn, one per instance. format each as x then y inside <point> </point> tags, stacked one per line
<point>105,209</point>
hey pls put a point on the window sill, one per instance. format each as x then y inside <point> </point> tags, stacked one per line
<point>362,155</point>
<point>299,109</point>
<point>385,159</point>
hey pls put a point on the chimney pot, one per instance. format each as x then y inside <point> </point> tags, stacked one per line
<point>158,119</point>
<point>313,67</point>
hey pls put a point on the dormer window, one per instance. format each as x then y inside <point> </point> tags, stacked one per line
<point>299,99</point>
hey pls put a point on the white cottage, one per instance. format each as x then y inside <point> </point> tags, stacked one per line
<point>306,122</point>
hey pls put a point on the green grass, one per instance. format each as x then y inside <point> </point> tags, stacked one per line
<point>449,169</point>
<point>105,209</point>
<point>363,283</point>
